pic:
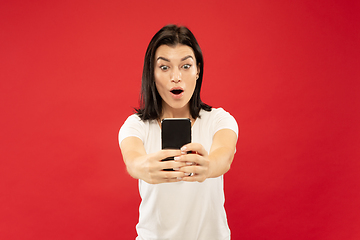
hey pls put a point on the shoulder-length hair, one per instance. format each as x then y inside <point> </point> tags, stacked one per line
<point>150,99</point>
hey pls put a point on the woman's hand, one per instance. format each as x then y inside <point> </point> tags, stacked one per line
<point>154,170</point>
<point>196,162</point>
<point>199,164</point>
<point>150,167</point>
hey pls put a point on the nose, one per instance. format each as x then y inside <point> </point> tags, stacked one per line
<point>175,75</point>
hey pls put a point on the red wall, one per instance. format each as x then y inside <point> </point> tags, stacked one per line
<point>287,70</point>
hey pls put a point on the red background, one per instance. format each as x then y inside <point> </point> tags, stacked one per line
<point>288,71</point>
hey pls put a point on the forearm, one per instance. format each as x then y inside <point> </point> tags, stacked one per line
<point>220,161</point>
<point>134,156</point>
<point>134,164</point>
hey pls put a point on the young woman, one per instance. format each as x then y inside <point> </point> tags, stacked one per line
<point>187,203</point>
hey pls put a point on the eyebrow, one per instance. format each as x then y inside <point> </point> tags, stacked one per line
<point>167,60</point>
<point>162,58</point>
<point>184,58</point>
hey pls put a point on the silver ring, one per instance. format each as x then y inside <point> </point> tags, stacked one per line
<point>191,174</point>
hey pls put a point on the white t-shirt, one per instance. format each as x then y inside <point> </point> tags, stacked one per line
<point>181,210</point>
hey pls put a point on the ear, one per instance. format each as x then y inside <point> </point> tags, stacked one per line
<point>198,71</point>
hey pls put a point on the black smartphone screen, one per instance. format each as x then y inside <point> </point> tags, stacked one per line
<point>175,133</point>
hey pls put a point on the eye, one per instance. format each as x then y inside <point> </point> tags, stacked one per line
<point>186,66</point>
<point>164,67</point>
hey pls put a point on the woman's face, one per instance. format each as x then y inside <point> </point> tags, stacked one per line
<point>175,73</point>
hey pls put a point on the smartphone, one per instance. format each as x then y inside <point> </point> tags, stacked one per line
<point>175,133</point>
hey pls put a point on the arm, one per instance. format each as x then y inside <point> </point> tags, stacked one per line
<point>149,167</point>
<point>222,152</point>
<point>211,165</point>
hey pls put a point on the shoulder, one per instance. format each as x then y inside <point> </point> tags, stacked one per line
<point>133,126</point>
<point>215,112</point>
<point>218,119</point>
<point>134,118</point>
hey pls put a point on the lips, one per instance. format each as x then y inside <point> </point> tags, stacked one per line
<point>177,92</point>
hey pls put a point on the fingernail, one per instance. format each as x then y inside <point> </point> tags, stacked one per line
<point>183,149</point>
<point>176,169</point>
<point>179,178</point>
<point>176,158</point>
<point>189,163</point>
<point>187,174</point>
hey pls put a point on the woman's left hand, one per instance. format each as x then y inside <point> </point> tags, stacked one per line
<point>197,162</point>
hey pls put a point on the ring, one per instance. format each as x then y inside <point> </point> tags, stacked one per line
<point>191,174</point>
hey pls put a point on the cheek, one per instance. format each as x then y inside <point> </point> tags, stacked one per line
<point>157,80</point>
<point>160,87</point>
<point>160,78</point>
<point>192,80</point>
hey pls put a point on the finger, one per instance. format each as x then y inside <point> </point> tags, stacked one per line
<point>165,155</point>
<point>175,165</point>
<point>168,153</point>
<point>190,170</point>
<point>194,147</point>
<point>194,178</point>
<point>162,176</point>
<point>159,158</point>
<point>171,175</point>
<point>190,159</point>
<point>189,179</point>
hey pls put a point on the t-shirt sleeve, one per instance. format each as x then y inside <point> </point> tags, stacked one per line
<point>132,127</point>
<point>223,120</point>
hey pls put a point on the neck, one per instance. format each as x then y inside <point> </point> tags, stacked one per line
<point>169,112</point>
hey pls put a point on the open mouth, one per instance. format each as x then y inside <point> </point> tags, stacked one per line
<point>176,91</point>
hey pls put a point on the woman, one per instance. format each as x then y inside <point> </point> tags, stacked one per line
<point>187,203</point>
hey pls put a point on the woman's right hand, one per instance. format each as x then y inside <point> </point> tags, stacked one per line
<point>150,167</point>
<point>154,170</point>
